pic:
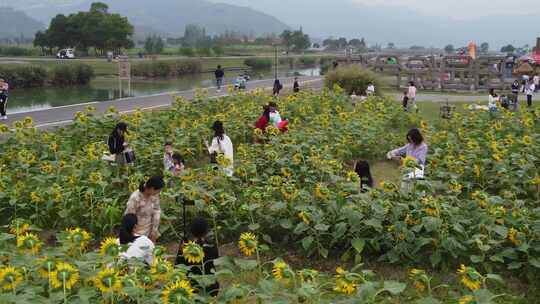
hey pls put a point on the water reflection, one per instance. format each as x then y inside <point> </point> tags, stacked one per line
<point>24,100</point>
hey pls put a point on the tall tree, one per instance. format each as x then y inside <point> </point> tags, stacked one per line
<point>508,49</point>
<point>449,48</point>
<point>484,47</point>
<point>96,28</point>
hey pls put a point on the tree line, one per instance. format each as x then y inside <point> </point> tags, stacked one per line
<point>97,29</point>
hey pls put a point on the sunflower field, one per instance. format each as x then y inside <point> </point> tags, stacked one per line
<point>474,215</point>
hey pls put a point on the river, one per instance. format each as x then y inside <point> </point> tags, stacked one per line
<point>102,89</point>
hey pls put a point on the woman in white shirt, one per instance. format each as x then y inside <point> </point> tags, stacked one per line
<point>493,99</point>
<point>139,246</point>
<point>222,144</point>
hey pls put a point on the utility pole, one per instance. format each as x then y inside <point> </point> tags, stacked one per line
<point>275,61</point>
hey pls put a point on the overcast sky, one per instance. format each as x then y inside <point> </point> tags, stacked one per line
<point>464,8</point>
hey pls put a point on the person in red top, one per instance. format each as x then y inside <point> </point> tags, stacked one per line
<point>264,120</point>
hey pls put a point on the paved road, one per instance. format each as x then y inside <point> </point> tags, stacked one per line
<point>60,116</point>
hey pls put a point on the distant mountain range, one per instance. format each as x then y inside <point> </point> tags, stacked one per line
<point>14,24</point>
<point>400,25</point>
<point>168,17</point>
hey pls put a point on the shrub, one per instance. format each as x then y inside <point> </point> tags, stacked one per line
<point>307,60</point>
<point>24,76</point>
<point>287,61</point>
<point>258,63</point>
<point>71,74</point>
<point>352,79</point>
<point>18,51</point>
<point>205,52</point>
<point>156,69</point>
<point>218,50</point>
<point>186,51</point>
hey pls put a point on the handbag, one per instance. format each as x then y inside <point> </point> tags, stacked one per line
<point>129,156</point>
<point>214,155</point>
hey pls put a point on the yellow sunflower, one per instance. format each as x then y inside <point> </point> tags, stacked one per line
<point>18,228</point>
<point>469,277</point>
<point>179,292</point>
<point>77,238</point>
<point>193,252</point>
<point>321,191</point>
<point>281,271</point>
<point>409,162</point>
<point>109,247</point>
<point>161,269</point>
<point>10,278</point>
<point>28,243</point>
<point>466,299</point>
<point>247,243</point>
<point>46,267</point>
<point>108,281</point>
<point>65,276</point>
<point>344,283</point>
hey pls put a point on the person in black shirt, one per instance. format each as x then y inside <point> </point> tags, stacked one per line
<point>366,180</point>
<point>277,87</point>
<point>117,143</point>
<point>515,93</point>
<point>296,86</point>
<point>199,230</point>
<point>220,74</point>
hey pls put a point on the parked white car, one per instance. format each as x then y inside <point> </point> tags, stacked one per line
<point>65,54</point>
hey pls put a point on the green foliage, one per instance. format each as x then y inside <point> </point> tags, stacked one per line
<point>352,79</point>
<point>307,60</point>
<point>72,74</point>
<point>154,45</point>
<point>508,49</point>
<point>7,50</point>
<point>163,68</point>
<point>449,48</point>
<point>296,40</point>
<point>96,28</point>
<point>187,51</point>
<point>24,76</point>
<point>258,63</point>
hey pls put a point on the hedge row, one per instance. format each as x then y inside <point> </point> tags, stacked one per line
<point>27,76</point>
<point>167,68</point>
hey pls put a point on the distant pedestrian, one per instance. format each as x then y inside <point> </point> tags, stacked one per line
<point>296,85</point>
<point>277,87</point>
<point>220,74</point>
<point>335,64</point>
<point>370,91</point>
<point>536,80</point>
<point>529,91</point>
<point>4,89</point>
<point>412,95</point>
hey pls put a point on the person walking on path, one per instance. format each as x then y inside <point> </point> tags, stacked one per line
<point>529,91</point>
<point>220,74</point>
<point>536,80</point>
<point>222,144</point>
<point>277,87</point>
<point>296,85</point>
<point>144,203</point>
<point>4,89</point>
<point>412,95</point>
